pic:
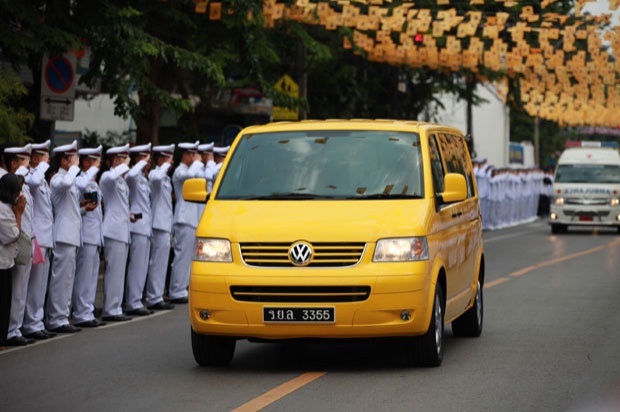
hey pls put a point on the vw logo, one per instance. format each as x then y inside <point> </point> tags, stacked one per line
<point>300,253</point>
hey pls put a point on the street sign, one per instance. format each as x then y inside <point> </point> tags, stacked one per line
<point>58,87</point>
<point>286,85</point>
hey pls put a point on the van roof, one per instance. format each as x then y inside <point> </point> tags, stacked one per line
<point>589,155</point>
<point>343,124</point>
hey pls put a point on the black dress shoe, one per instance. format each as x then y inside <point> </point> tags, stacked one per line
<point>163,305</point>
<point>179,301</point>
<point>38,335</point>
<point>68,328</point>
<point>91,323</point>
<point>115,318</point>
<point>49,333</point>
<point>17,341</point>
<point>139,312</point>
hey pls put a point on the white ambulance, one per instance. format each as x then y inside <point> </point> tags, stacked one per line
<point>586,187</point>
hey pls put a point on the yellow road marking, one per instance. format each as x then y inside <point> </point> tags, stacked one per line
<point>528,269</point>
<point>495,282</point>
<point>278,392</point>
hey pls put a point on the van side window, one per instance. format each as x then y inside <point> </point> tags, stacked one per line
<point>436,165</point>
<point>455,155</point>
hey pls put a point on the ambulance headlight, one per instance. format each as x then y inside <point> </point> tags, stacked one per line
<point>558,200</point>
<point>401,250</point>
<point>614,202</point>
<point>212,250</point>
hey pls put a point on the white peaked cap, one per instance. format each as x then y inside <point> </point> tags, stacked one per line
<point>20,151</point>
<point>221,150</point>
<point>118,150</point>
<point>189,146</point>
<point>165,150</point>
<point>142,149</point>
<point>91,151</point>
<point>67,148</point>
<point>42,148</point>
<point>208,147</point>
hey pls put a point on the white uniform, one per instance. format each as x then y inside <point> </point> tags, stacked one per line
<point>161,204</point>
<point>116,237</point>
<point>185,223</point>
<point>139,252</point>
<point>67,231</point>
<point>42,223</point>
<point>21,273</point>
<point>209,173</point>
<point>88,255</point>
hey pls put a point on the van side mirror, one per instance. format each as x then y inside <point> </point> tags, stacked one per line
<point>455,189</point>
<point>195,190</point>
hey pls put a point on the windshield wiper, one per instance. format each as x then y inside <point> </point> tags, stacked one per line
<point>289,196</point>
<point>386,196</point>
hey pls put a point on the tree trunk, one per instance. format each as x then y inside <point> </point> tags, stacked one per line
<point>147,121</point>
<point>148,116</point>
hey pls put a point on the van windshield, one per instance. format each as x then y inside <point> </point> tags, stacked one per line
<point>588,173</point>
<point>333,164</point>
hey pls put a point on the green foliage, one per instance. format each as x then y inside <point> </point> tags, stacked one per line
<point>14,122</point>
<point>153,56</point>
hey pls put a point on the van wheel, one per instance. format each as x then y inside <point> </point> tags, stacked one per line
<point>469,324</point>
<point>212,350</point>
<point>427,350</point>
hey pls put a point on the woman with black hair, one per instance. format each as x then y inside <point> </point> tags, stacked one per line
<point>12,206</point>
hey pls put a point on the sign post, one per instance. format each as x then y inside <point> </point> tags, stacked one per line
<point>58,87</point>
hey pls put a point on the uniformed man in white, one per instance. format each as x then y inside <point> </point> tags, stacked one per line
<point>185,223</point>
<point>206,157</point>
<point>17,161</point>
<point>161,205</point>
<point>67,232</point>
<point>219,154</point>
<point>42,224</point>
<point>115,229</point>
<point>206,154</point>
<point>140,230</point>
<point>88,255</point>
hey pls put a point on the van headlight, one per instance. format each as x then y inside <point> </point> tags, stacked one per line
<point>401,249</point>
<point>558,200</point>
<point>614,202</point>
<point>212,250</point>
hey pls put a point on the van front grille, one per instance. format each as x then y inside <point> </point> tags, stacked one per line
<point>300,294</point>
<point>325,254</point>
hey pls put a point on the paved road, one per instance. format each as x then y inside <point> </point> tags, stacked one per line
<point>551,343</point>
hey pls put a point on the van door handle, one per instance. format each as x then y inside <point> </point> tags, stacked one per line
<point>455,215</point>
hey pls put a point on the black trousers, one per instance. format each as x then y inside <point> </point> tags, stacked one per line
<point>6,287</point>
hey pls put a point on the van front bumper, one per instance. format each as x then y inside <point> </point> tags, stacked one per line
<point>585,216</point>
<point>396,305</point>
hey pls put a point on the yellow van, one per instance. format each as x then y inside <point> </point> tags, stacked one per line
<point>338,229</point>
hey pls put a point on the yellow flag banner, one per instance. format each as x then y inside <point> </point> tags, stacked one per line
<point>567,65</point>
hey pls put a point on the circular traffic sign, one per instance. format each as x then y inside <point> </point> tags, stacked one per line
<point>59,74</point>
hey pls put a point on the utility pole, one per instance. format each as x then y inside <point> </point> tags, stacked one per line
<point>469,90</point>
<point>536,142</point>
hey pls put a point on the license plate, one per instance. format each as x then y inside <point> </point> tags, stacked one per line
<point>299,315</point>
<point>586,218</point>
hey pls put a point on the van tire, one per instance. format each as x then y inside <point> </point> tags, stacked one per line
<point>212,350</point>
<point>469,324</point>
<point>427,350</point>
